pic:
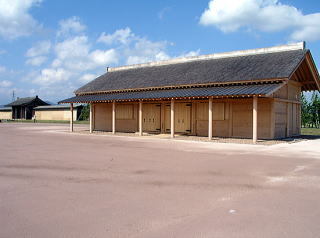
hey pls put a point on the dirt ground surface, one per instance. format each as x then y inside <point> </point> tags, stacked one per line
<point>59,184</point>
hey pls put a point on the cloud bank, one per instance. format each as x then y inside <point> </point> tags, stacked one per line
<point>261,15</point>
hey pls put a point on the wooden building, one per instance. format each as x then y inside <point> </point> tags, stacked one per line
<point>57,112</point>
<point>22,108</point>
<point>244,94</point>
<point>5,113</point>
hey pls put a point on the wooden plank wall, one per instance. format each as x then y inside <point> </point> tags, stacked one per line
<point>231,118</point>
<point>6,115</point>
<point>102,116</point>
<point>287,110</point>
<point>63,115</point>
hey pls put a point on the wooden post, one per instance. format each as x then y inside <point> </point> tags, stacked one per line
<point>113,117</point>
<point>172,118</point>
<point>288,120</point>
<point>71,117</point>
<point>91,118</point>
<point>272,119</point>
<point>210,120</point>
<point>140,118</point>
<point>255,120</point>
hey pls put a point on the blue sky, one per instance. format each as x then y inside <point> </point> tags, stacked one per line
<point>50,48</point>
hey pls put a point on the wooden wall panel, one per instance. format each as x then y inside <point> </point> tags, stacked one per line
<point>280,110</point>
<point>202,115</point>
<point>282,92</point>
<point>6,115</point>
<point>183,117</point>
<point>167,118</point>
<point>151,117</point>
<point>124,111</point>
<point>103,117</point>
<point>294,92</point>
<point>127,121</point>
<point>218,111</point>
<point>59,115</point>
<point>242,119</point>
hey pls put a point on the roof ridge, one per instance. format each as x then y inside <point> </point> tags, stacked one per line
<point>274,49</point>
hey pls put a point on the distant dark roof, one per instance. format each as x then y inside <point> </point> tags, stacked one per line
<point>247,90</point>
<point>55,107</point>
<point>26,101</point>
<point>205,71</point>
<point>5,109</point>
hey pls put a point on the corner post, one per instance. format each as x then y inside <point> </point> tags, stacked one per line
<point>91,118</point>
<point>71,117</point>
<point>172,118</point>
<point>210,120</point>
<point>113,117</point>
<point>140,118</point>
<point>255,120</point>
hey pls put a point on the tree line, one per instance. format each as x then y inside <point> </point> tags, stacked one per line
<point>310,110</point>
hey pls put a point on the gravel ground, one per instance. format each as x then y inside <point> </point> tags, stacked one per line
<point>59,184</point>
<point>84,130</point>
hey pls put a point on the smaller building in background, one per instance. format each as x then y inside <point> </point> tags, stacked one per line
<point>22,108</point>
<point>5,113</point>
<point>57,112</point>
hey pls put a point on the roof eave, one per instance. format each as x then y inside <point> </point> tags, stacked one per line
<point>244,82</point>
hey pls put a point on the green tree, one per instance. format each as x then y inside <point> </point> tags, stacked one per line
<point>305,114</point>
<point>84,116</point>
<point>315,110</point>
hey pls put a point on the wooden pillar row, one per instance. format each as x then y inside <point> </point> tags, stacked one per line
<point>255,120</point>
<point>172,118</point>
<point>140,119</point>
<point>210,120</point>
<point>113,117</point>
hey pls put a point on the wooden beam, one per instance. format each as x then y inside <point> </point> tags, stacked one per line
<point>172,118</point>
<point>91,117</point>
<point>71,117</point>
<point>113,117</point>
<point>287,100</point>
<point>140,119</point>
<point>210,120</point>
<point>313,71</point>
<point>255,120</point>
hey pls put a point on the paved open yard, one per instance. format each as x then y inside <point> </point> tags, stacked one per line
<point>58,184</point>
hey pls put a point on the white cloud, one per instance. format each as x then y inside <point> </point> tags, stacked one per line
<point>144,50</point>
<point>5,84</point>
<point>163,12</point>
<point>76,60</point>
<point>50,76</point>
<point>262,15</point>
<point>190,53</point>
<point>75,54</point>
<point>41,48</point>
<point>87,78</point>
<point>36,61</point>
<point>122,36</point>
<point>70,26</point>
<point>15,20</point>
<point>2,69</point>
<point>36,53</point>
<point>135,49</point>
